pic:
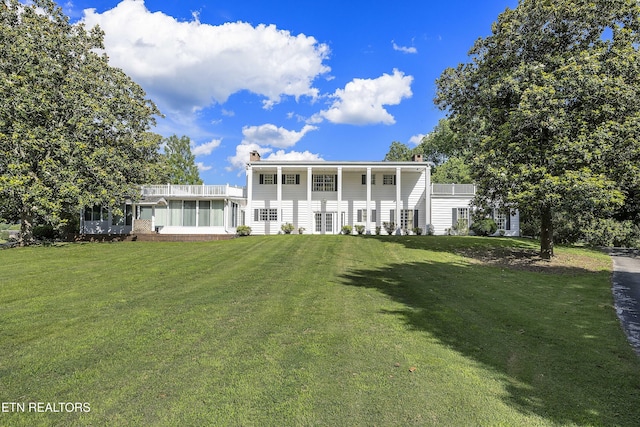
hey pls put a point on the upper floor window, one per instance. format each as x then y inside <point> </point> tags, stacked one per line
<point>291,179</point>
<point>325,183</point>
<point>268,178</point>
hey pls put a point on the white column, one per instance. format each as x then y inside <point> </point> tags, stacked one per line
<point>248,211</point>
<point>398,197</point>
<point>279,194</point>
<point>427,198</point>
<point>310,221</point>
<point>368,200</point>
<point>339,214</point>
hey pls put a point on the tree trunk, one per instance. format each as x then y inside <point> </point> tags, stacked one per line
<point>546,233</point>
<point>26,227</point>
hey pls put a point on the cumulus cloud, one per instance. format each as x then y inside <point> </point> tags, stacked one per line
<point>294,156</point>
<point>362,101</point>
<point>417,139</point>
<point>404,49</point>
<point>206,148</point>
<point>202,167</point>
<point>274,136</point>
<point>264,138</point>
<point>186,66</point>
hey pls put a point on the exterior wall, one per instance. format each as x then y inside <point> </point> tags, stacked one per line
<point>295,205</point>
<point>442,214</point>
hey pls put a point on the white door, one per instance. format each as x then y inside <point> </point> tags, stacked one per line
<point>325,222</point>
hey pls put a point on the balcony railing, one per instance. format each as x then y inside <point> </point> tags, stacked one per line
<point>193,190</point>
<point>453,189</point>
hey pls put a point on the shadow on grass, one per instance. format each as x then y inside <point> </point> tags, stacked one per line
<point>554,340</point>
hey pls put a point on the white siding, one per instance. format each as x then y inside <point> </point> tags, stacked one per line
<point>442,211</point>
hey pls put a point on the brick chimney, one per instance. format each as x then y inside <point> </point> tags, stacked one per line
<point>254,156</point>
<point>417,158</point>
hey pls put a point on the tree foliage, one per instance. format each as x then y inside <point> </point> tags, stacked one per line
<point>443,148</point>
<point>72,128</point>
<point>180,162</point>
<point>550,107</point>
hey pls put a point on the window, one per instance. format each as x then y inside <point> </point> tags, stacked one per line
<point>268,178</point>
<point>93,213</point>
<point>362,215</point>
<point>189,213</point>
<point>291,179</point>
<point>204,213</point>
<point>118,219</point>
<point>462,215</point>
<point>374,216</point>
<point>364,179</point>
<point>388,180</point>
<point>265,215</point>
<point>146,212</point>
<point>325,183</point>
<point>502,220</point>
<point>408,219</point>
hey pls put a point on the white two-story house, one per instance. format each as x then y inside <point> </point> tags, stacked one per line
<point>319,197</point>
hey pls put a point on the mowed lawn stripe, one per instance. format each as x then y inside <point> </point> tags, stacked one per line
<point>310,330</point>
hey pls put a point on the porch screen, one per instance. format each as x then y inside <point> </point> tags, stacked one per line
<point>189,213</point>
<point>175,212</point>
<point>217,213</point>
<point>204,213</point>
<point>161,216</point>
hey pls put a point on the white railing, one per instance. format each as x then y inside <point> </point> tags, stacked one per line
<point>193,190</point>
<point>453,189</point>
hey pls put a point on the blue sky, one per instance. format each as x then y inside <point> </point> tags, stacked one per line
<point>293,79</point>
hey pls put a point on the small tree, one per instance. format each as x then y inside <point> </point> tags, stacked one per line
<point>180,161</point>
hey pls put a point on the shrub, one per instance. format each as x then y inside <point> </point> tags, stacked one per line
<point>417,231</point>
<point>378,228</point>
<point>41,232</point>
<point>243,230</point>
<point>301,230</point>
<point>609,232</point>
<point>484,227</point>
<point>390,227</point>
<point>430,230</point>
<point>460,228</point>
<point>346,229</point>
<point>359,228</point>
<point>287,228</point>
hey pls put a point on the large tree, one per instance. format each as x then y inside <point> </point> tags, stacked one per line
<point>72,128</point>
<point>550,104</point>
<point>180,161</point>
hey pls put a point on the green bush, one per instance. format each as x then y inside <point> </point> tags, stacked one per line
<point>346,229</point>
<point>287,228</point>
<point>378,228</point>
<point>417,231</point>
<point>359,228</point>
<point>42,232</point>
<point>460,228</point>
<point>390,227</point>
<point>609,232</point>
<point>484,227</point>
<point>243,230</point>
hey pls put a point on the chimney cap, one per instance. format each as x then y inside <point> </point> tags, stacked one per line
<point>417,158</point>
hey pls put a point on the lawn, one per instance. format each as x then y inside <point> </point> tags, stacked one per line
<point>313,330</point>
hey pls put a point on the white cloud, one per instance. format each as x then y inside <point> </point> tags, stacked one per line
<point>185,66</point>
<point>206,148</point>
<point>362,101</point>
<point>241,158</point>
<point>202,167</point>
<point>417,139</point>
<point>404,49</point>
<point>294,156</point>
<point>274,136</point>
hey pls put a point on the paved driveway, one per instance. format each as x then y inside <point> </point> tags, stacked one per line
<point>626,292</point>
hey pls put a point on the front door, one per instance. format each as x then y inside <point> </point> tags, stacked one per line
<point>325,222</point>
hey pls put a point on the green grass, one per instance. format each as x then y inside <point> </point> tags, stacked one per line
<point>312,330</point>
